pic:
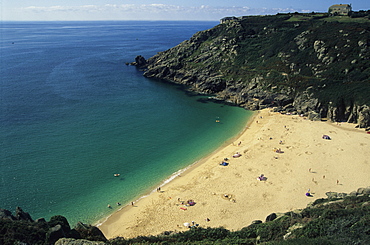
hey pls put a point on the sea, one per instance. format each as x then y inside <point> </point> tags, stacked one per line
<point>73,115</point>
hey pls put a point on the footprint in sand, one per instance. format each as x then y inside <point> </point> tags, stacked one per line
<point>238,175</point>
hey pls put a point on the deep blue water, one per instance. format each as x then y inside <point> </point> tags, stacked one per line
<point>73,114</point>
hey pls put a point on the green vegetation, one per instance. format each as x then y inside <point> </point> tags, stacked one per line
<point>346,221</point>
<point>330,54</point>
<point>326,221</point>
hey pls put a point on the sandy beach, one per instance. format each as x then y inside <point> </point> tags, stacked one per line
<point>232,197</point>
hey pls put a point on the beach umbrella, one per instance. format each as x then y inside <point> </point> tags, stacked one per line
<point>186,224</point>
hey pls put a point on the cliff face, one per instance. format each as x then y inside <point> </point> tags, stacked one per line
<point>313,65</point>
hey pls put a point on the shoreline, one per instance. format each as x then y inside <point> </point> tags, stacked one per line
<point>179,173</point>
<point>231,196</point>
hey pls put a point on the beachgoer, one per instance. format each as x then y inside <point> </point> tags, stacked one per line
<point>118,204</point>
<point>261,177</point>
<point>132,203</point>
<point>239,143</point>
<point>109,206</point>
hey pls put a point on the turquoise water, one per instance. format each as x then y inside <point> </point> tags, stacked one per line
<point>73,114</point>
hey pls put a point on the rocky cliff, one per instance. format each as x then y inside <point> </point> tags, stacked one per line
<point>22,229</point>
<point>308,64</point>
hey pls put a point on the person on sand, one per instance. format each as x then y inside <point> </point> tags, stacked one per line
<point>236,155</point>
<point>261,177</point>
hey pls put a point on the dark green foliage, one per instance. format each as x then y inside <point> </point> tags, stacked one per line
<point>20,231</point>
<point>342,221</point>
<point>305,241</point>
<point>11,231</point>
<point>334,221</point>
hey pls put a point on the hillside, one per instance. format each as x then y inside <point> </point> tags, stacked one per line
<point>299,63</point>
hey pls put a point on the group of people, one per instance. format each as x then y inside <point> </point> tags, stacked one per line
<point>236,155</point>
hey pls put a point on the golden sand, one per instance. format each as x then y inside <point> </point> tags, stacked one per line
<point>232,196</point>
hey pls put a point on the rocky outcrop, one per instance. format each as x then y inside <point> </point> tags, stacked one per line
<point>258,62</point>
<point>71,241</point>
<point>271,217</point>
<point>21,229</point>
<point>89,232</point>
<point>360,191</point>
<point>140,62</point>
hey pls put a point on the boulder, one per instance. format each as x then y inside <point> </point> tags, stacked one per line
<point>353,194</point>
<point>40,220</point>
<point>21,215</point>
<point>314,116</point>
<point>255,222</point>
<point>342,195</point>
<point>331,195</point>
<point>271,217</point>
<point>60,220</point>
<point>89,232</point>
<point>366,190</point>
<point>140,62</point>
<point>360,191</point>
<point>54,234</point>
<point>6,214</point>
<point>364,116</point>
<point>72,241</point>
